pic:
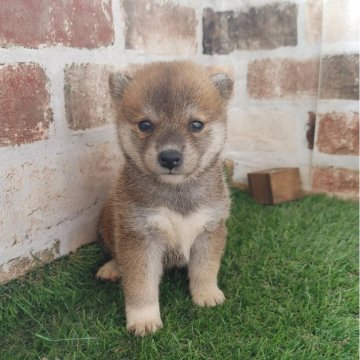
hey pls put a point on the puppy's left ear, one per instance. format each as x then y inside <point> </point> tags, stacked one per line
<point>223,84</point>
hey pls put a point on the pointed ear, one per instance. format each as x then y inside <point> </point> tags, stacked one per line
<point>224,84</point>
<point>117,84</point>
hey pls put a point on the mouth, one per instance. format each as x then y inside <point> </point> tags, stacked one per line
<point>172,177</point>
<point>171,172</point>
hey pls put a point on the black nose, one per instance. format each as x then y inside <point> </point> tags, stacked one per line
<point>169,159</point>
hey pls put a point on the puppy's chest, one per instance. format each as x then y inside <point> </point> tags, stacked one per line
<point>180,232</point>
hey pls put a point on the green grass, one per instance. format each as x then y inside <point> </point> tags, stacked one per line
<point>290,275</point>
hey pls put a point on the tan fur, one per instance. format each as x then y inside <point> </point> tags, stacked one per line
<point>158,217</point>
<point>109,271</point>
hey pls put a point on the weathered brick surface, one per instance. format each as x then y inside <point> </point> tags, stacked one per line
<point>266,27</point>
<point>87,99</point>
<point>56,195</point>
<point>22,264</point>
<point>313,20</point>
<point>338,133</point>
<point>41,195</point>
<point>77,23</point>
<point>342,182</point>
<point>282,78</point>
<point>340,77</point>
<point>25,111</point>
<point>159,28</point>
<point>310,131</point>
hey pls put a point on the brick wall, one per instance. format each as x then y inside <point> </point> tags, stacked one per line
<point>335,162</point>
<point>58,151</point>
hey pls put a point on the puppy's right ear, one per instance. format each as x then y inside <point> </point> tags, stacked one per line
<point>117,84</point>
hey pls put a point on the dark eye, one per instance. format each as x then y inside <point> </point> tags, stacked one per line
<point>196,126</point>
<point>145,126</point>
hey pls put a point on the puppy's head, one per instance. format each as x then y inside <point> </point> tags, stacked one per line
<point>171,118</point>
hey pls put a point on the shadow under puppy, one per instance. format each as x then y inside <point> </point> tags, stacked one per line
<point>170,202</point>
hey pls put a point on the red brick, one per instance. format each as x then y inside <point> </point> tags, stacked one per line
<point>87,98</point>
<point>25,112</point>
<point>340,77</point>
<point>265,27</point>
<point>77,23</point>
<point>338,133</point>
<point>337,181</point>
<point>159,28</point>
<point>283,78</point>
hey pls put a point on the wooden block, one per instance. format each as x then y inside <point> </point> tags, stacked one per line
<point>275,186</point>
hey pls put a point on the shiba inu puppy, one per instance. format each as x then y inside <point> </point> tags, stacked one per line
<point>170,202</point>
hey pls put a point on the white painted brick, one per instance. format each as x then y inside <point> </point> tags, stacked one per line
<point>313,20</point>
<point>41,199</point>
<point>341,20</point>
<point>261,130</point>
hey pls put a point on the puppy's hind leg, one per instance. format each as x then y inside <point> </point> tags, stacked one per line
<point>109,271</point>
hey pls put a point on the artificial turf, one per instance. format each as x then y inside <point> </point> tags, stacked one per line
<point>290,275</point>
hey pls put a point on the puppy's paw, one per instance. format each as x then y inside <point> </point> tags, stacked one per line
<point>143,321</point>
<point>145,328</point>
<point>208,296</point>
<point>109,271</point>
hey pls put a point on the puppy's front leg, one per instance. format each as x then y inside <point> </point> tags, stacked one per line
<point>141,272</point>
<point>204,265</point>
